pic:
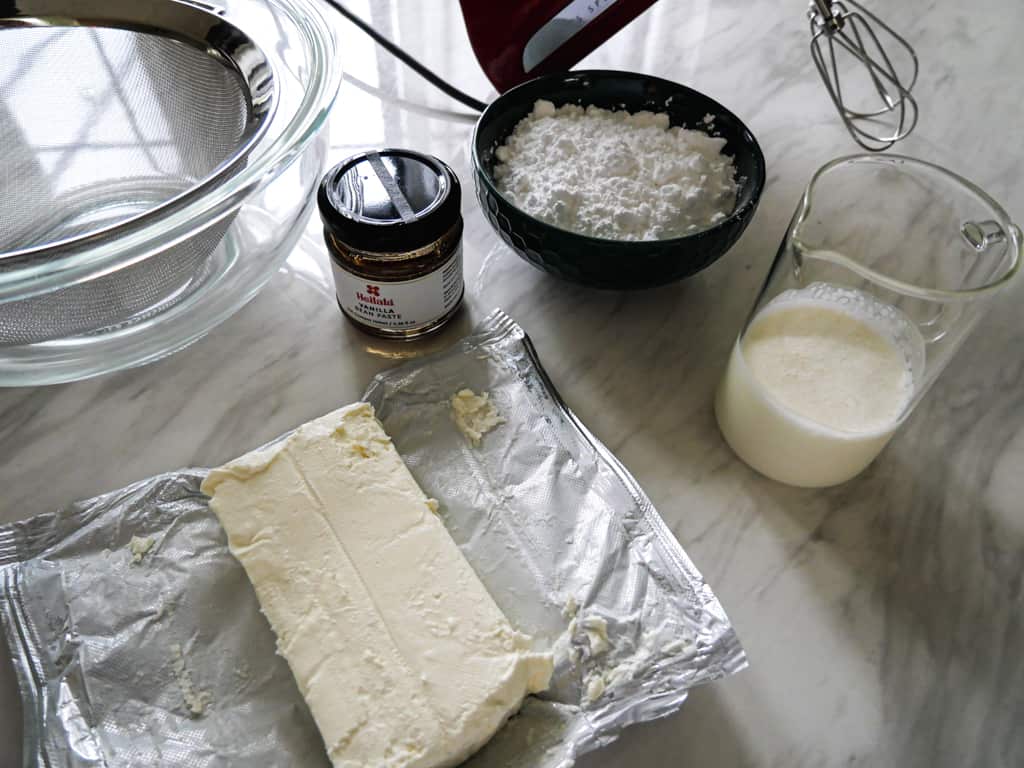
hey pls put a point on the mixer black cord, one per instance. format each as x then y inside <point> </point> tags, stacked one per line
<point>404,57</point>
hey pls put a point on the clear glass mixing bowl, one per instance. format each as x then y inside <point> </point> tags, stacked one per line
<point>267,203</point>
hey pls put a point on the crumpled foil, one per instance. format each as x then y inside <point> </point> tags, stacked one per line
<point>128,657</point>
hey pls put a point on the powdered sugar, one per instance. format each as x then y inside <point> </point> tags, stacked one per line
<point>615,175</point>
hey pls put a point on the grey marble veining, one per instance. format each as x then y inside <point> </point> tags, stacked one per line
<point>883,618</point>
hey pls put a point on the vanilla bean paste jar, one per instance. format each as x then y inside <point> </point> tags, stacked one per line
<point>393,227</point>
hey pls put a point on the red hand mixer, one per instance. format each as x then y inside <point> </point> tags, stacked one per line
<point>515,42</point>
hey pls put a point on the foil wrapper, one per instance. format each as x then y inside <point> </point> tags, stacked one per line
<point>138,640</point>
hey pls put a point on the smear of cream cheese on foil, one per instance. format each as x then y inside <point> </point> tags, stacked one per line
<point>474,415</point>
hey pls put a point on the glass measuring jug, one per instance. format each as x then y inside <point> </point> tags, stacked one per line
<point>887,265</point>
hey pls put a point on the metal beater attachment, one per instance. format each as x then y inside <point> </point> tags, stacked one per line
<point>873,99</point>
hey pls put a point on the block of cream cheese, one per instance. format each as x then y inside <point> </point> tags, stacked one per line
<point>404,658</point>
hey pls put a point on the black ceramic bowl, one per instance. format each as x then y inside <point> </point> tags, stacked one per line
<point>596,261</point>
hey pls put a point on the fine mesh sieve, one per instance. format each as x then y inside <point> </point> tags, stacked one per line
<point>113,113</point>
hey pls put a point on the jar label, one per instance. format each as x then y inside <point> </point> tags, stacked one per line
<point>403,304</point>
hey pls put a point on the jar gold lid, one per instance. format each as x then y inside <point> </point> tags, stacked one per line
<point>389,201</point>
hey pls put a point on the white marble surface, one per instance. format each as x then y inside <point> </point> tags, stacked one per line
<point>883,618</point>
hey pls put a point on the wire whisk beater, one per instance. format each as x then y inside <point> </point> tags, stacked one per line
<point>868,69</point>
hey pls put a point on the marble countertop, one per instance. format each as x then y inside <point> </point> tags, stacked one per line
<point>883,619</point>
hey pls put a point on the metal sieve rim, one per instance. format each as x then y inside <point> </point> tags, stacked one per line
<point>316,75</point>
<point>200,26</point>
